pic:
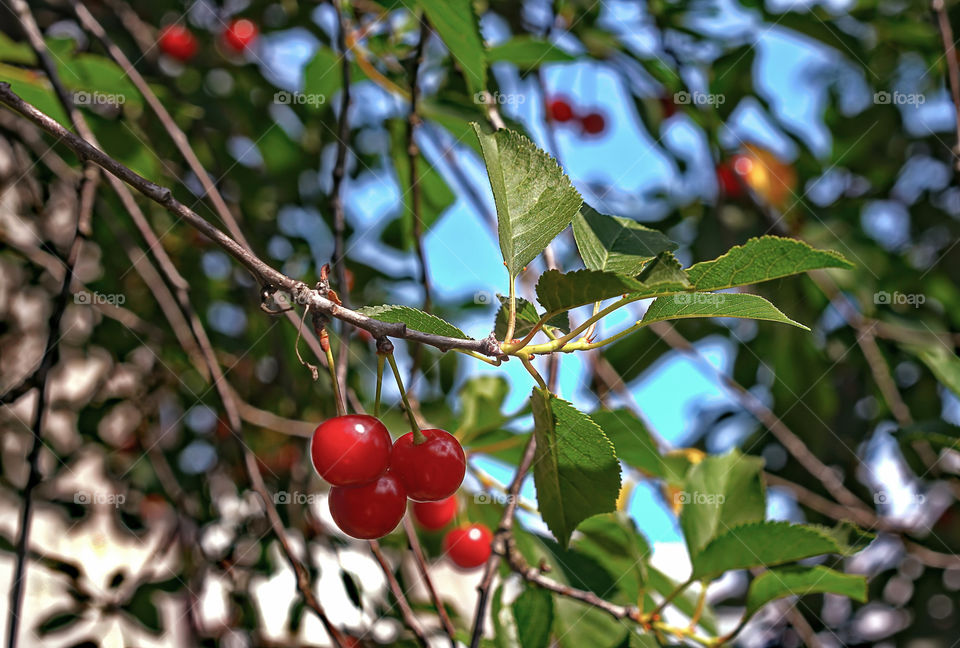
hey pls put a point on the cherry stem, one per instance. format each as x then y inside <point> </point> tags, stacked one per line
<point>533,372</point>
<point>376,402</point>
<point>418,436</point>
<point>337,396</point>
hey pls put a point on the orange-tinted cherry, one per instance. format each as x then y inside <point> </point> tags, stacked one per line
<point>350,450</point>
<point>240,34</point>
<point>176,41</point>
<point>435,515</point>
<point>370,510</point>
<point>432,470</point>
<point>468,546</point>
<point>730,184</point>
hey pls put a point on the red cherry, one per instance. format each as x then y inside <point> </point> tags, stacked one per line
<point>435,515</point>
<point>240,34</point>
<point>560,110</point>
<point>177,42</point>
<point>350,450</point>
<point>370,510</point>
<point>432,470</point>
<point>593,123</point>
<point>730,184</point>
<point>468,546</point>
<point>668,107</point>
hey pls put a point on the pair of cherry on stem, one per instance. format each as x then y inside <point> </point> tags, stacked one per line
<point>371,479</point>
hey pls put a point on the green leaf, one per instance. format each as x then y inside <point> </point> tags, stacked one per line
<point>559,291</point>
<point>759,544</point>
<point>575,469</point>
<point>323,77</point>
<point>721,492</point>
<point>799,581</point>
<point>505,629</point>
<point>414,318</point>
<point>527,316</point>
<point>636,446</point>
<point>481,400</point>
<point>533,612</point>
<point>742,305</point>
<point>619,245</point>
<point>762,259</point>
<point>57,621</point>
<point>456,24</point>
<point>942,362</point>
<point>12,51</point>
<point>535,200</point>
<point>527,53</point>
<point>614,542</point>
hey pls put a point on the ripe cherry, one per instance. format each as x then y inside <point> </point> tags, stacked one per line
<point>560,110</point>
<point>730,184</point>
<point>435,515</point>
<point>350,450</point>
<point>370,510</point>
<point>593,123</point>
<point>468,546</point>
<point>240,34</point>
<point>177,42</point>
<point>432,470</point>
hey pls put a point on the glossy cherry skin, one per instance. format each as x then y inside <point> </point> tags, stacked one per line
<point>240,34</point>
<point>177,42</point>
<point>730,184</point>
<point>350,450</point>
<point>370,510</point>
<point>560,110</point>
<point>435,515</point>
<point>468,546</point>
<point>432,470</point>
<point>593,123</point>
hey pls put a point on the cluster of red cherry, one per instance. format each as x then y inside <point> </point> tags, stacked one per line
<point>561,111</point>
<point>178,42</point>
<point>372,478</point>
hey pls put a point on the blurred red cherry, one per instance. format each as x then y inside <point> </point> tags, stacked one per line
<point>177,42</point>
<point>435,515</point>
<point>593,123</point>
<point>468,546</point>
<point>240,34</point>
<point>560,110</point>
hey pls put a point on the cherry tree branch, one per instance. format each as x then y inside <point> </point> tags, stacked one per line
<point>421,561</point>
<point>300,292</point>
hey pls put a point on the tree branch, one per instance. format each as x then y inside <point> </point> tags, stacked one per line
<point>409,619</point>
<point>300,292</point>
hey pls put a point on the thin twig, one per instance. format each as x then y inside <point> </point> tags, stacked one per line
<point>501,541</point>
<point>339,261</point>
<point>409,619</point>
<point>424,570</point>
<point>82,229</point>
<point>953,68</point>
<point>413,152</point>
